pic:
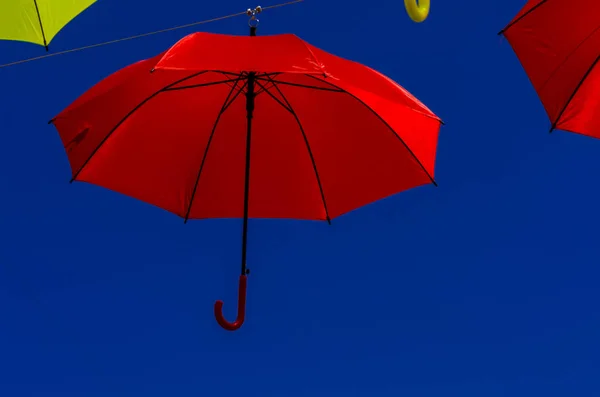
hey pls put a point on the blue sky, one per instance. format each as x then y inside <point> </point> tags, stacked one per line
<point>484,286</point>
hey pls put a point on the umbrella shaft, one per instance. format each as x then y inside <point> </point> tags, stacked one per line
<point>249,113</point>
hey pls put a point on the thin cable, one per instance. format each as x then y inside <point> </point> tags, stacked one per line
<point>143,35</point>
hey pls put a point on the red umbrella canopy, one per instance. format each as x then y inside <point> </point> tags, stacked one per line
<point>157,131</point>
<point>558,44</point>
<point>225,126</point>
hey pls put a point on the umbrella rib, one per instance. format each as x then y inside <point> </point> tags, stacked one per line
<point>131,112</point>
<point>387,125</point>
<point>37,10</point>
<point>263,88</point>
<point>567,58</point>
<point>287,106</point>
<point>522,16</point>
<point>225,106</point>
<point>335,88</point>
<point>302,85</point>
<point>268,75</point>
<point>279,101</point>
<point>226,74</point>
<point>579,85</point>
<point>186,87</point>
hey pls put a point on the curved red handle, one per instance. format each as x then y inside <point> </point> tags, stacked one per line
<point>241,309</point>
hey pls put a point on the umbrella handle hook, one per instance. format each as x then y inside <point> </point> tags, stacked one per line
<point>241,308</point>
<point>417,10</point>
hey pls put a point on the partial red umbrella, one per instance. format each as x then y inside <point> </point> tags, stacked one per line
<point>558,44</point>
<point>223,126</point>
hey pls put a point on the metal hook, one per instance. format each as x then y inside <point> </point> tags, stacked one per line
<point>253,22</point>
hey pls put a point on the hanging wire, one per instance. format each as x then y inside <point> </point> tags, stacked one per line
<point>143,35</point>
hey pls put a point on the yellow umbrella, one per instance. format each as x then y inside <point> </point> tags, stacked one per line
<point>37,21</point>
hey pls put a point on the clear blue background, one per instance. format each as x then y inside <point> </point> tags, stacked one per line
<point>485,286</point>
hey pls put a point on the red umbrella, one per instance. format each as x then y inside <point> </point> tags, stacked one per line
<point>558,44</point>
<point>223,126</point>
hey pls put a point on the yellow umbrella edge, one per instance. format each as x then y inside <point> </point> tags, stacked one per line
<point>39,21</point>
